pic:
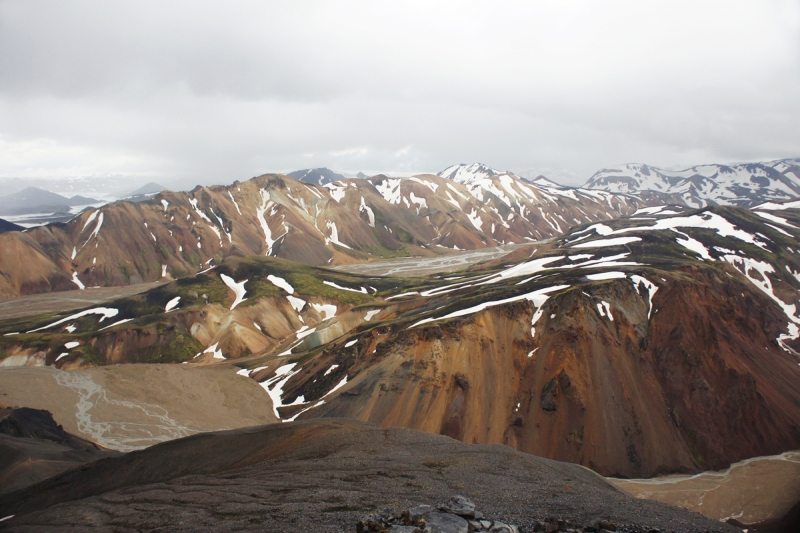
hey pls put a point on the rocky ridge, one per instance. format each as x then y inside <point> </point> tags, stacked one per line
<point>325,476</point>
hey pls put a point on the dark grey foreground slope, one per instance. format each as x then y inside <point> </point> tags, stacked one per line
<point>320,476</point>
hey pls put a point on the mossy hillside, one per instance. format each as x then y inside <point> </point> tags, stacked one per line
<point>306,281</point>
<point>171,348</point>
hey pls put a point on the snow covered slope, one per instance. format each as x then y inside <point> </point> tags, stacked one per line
<point>553,208</point>
<point>699,186</point>
<point>465,174</point>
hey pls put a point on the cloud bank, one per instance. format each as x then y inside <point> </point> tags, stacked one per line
<point>218,91</point>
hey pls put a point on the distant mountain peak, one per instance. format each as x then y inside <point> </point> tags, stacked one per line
<point>464,173</point>
<point>320,176</point>
<point>149,188</point>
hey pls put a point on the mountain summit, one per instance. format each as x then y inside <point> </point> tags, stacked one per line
<point>466,174</point>
<point>318,176</point>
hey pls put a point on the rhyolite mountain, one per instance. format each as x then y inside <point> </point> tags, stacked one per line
<point>179,233</point>
<point>744,184</point>
<point>465,207</point>
<point>667,341</point>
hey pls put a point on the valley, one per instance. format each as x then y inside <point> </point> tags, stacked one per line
<point>754,491</point>
<point>424,266</point>
<point>130,407</point>
<point>55,302</point>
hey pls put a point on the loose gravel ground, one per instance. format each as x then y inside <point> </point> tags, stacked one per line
<point>323,476</point>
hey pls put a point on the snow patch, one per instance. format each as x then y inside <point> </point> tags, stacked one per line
<point>296,303</point>
<point>367,209</point>
<point>282,283</point>
<point>538,297</point>
<point>606,275</point>
<point>335,286</point>
<point>651,290</point>
<point>213,349</point>
<point>326,310</point>
<point>105,312</point>
<point>238,288</point>
<point>172,304</point>
<point>334,238</point>
<point>602,243</point>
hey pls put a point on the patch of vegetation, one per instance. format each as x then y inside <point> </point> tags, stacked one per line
<point>260,288</point>
<point>88,353</point>
<point>306,281</point>
<point>191,289</point>
<point>126,275</point>
<point>177,272</point>
<point>404,236</point>
<point>691,436</point>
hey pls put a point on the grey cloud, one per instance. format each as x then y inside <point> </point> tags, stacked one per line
<point>220,91</point>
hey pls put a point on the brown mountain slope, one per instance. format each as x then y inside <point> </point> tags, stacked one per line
<point>637,346</point>
<point>691,389</point>
<point>176,234</point>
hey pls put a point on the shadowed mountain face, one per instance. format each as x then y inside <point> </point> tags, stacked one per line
<point>662,342</point>
<point>5,226</point>
<point>34,447</point>
<point>318,176</point>
<point>322,476</point>
<point>177,233</point>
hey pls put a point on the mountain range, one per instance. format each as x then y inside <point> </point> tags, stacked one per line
<point>178,233</point>
<point>743,184</point>
<point>464,207</point>
<point>35,200</point>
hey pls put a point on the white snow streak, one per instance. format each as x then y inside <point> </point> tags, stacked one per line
<point>172,304</point>
<point>238,288</point>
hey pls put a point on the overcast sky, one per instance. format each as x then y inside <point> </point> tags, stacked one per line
<point>212,92</point>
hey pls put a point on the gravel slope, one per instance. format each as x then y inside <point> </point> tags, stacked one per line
<point>321,476</point>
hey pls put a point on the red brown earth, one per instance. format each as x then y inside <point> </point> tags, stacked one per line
<point>699,386</point>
